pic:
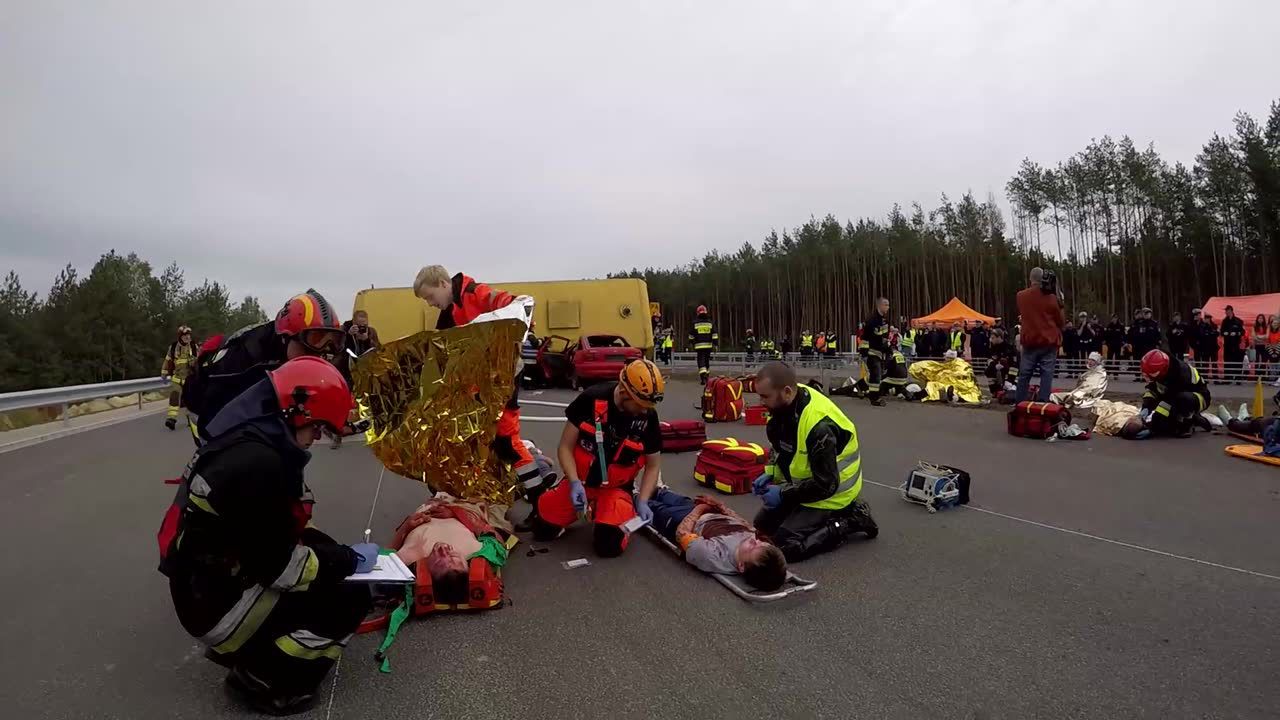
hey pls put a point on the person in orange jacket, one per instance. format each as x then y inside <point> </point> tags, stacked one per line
<point>460,299</point>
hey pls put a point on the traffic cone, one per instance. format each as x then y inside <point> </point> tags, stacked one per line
<point>1257,399</point>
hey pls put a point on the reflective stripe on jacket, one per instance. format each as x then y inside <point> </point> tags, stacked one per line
<point>848,460</point>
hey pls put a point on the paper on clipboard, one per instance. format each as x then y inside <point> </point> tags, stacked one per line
<point>389,569</point>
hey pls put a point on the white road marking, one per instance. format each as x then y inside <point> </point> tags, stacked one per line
<point>1099,538</point>
<point>328,712</point>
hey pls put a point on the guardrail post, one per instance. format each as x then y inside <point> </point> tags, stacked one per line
<point>139,400</point>
<point>66,414</point>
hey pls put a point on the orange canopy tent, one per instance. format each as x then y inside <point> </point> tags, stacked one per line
<point>1247,307</point>
<point>954,311</point>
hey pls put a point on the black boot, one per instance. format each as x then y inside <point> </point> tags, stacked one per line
<point>264,699</point>
<point>171,423</point>
<point>531,496</point>
<point>876,400</point>
<point>862,521</point>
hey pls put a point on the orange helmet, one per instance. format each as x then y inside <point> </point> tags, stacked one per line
<point>311,320</point>
<point>642,381</point>
<point>310,390</point>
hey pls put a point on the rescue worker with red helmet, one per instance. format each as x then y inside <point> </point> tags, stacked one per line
<point>178,360</point>
<point>611,437</point>
<point>306,325</point>
<point>705,340</point>
<point>1175,395</point>
<point>249,574</point>
<point>460,299</point>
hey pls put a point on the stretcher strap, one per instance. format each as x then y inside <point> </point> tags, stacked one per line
<point>398,616</point>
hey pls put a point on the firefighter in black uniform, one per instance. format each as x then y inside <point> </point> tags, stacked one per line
<point>1232,345</point>
<point>749,345</point>
<point>1144,335</point>
<point>705,339</point>
<point>1071,348</point>
<point>1206,348</point>
<point>879,356</point>
<point>1175,396</point>
<point>306,325</point>
<point>1090,335</point>
<point>1179,337</point>
<point>1003,365</point>
<point>1113,336</point>
<point>250,577</point>
<point>979,340</point>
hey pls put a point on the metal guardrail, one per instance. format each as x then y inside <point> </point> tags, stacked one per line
<point>64,397</point>
<point>849,363</point>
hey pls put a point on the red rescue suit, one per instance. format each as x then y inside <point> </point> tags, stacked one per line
<point>471,300</point>
<point>609,496</point>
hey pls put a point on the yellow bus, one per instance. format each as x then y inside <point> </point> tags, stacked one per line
<point>563,307</point>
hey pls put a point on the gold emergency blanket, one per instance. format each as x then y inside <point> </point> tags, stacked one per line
<point>434,399</point>
<point>1092,385</point>
<point>937,375</point>
<point>1112,416</point>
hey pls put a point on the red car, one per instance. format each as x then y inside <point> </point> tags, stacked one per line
<point>592,359</point>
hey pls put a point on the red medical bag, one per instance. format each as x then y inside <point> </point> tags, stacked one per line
<point>729,466</point>
<point>722,400</point>
<point>1036,419</point>
<point>682,435</point>
<point>757,415</point>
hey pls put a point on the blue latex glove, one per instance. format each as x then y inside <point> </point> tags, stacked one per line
<point>643,510</point>
<point>577,495</point>
<point>1145,414</point>
<point>760,483</point>
<point>368,553</point>
<point>772,496</point>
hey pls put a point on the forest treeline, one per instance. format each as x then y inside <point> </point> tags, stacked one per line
<point>113,324</point>
<point>1121,226</point>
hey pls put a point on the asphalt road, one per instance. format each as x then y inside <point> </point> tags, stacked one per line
<point>963,614</point>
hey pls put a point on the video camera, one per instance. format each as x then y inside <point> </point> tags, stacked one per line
<point>1049,283</point>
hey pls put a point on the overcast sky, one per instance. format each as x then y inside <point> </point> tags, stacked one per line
<point>275,145</point>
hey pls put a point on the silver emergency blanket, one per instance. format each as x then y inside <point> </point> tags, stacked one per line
<point>1088,391</point>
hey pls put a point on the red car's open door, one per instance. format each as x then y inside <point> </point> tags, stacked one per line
<point>555,359</point>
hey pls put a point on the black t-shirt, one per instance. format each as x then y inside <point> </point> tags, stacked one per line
<point>618,426</point>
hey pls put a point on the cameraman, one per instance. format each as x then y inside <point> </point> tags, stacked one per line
<point>360,339</point>
<point>1040,307</point>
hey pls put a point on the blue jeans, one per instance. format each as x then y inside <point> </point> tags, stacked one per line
<point>1045,358</point>
<point>669,509</point>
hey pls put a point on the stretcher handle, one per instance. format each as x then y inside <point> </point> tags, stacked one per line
<point>793,584</point>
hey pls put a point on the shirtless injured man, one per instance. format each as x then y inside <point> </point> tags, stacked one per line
<point>444,534</point>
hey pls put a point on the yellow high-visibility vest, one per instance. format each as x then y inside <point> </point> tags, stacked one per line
<point>848,460</point>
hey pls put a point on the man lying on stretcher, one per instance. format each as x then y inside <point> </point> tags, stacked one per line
<point>715,539</point>
<point>444,534</point>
